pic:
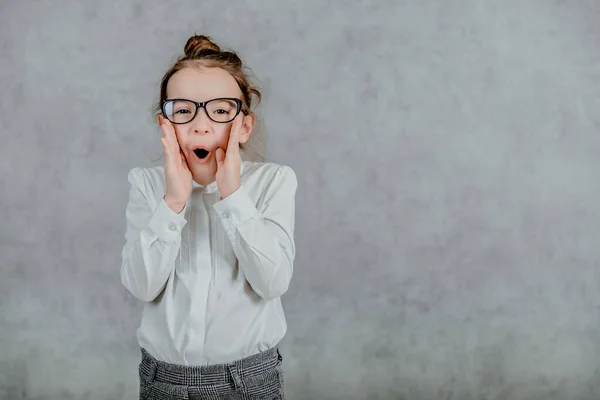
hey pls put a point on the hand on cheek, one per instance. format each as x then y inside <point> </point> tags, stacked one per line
<point>177,173</point>
<point>229,162</point>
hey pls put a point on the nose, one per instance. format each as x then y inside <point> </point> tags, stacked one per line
<point>201,123</point>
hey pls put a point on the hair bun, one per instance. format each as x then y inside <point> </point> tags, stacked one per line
<point>200,43</point>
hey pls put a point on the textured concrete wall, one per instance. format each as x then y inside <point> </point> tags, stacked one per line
<point>448,219</point>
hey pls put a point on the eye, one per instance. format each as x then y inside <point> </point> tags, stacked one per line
<point>182,111</point>
<point>221,111</point>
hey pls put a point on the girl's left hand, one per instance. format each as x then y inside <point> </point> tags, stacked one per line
<point>229,163</point>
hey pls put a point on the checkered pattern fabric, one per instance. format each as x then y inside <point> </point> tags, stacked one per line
<point>258,377</point>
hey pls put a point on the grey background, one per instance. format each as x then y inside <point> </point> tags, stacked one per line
<point>447,215</point>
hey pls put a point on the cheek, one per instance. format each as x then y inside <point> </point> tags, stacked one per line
<point>222,136</point>
<point>181,136</point>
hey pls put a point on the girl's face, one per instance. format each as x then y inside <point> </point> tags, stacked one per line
<point>201,84</point>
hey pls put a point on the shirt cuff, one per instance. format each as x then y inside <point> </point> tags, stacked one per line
<point>236,209</point>
<point>166,223</point>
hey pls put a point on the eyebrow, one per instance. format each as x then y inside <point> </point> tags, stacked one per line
<point>205,101</point>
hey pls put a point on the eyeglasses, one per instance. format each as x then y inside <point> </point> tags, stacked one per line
<point>182,111</point>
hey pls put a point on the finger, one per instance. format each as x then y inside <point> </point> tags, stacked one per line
<point>171,136</point>
<point>233,146</point>
<point>163,123</point>
<point>167,149</point>
<point>183,159</point>
<point>168,130</point>
<point>160,125</point>
<point>219,156</point>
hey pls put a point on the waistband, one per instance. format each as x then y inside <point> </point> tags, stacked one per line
<point>155,370</point>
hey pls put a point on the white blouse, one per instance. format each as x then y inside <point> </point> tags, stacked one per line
<point>211,276</point>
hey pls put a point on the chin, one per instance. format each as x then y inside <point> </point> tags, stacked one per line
<point>204,175</point>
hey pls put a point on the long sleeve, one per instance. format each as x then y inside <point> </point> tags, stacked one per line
<point>263,240</point>
<point>152,241</point>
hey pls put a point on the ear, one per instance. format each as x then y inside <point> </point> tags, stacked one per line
<point>247,126</point>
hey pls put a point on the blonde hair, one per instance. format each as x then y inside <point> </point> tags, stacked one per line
<point>200,50</point>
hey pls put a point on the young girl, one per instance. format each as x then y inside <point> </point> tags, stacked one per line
<point>209,240</point>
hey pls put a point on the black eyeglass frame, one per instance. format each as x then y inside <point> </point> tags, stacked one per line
<point>198,104</point>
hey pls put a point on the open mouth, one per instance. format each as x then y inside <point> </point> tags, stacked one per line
<point>201,153</point>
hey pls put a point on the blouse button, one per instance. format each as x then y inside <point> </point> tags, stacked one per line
<point>172,226</point>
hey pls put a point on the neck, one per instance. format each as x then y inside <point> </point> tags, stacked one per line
<point>204,180</point>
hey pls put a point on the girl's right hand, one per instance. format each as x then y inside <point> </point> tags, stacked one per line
<point>177,173</point>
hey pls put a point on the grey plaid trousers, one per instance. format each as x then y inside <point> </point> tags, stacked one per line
<point>258,377</point>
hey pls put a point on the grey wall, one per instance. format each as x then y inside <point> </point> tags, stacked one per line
<point>447,220</point>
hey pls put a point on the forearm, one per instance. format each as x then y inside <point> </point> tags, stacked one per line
<point>149,254</point>
<point>263,240</point>
<point>267,263</point>
<point>147,266</point>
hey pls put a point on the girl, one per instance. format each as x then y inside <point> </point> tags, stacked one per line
<point>209,240</point>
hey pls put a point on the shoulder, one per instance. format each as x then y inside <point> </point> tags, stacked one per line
<point>149,180</point>
<point>268,174</point>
